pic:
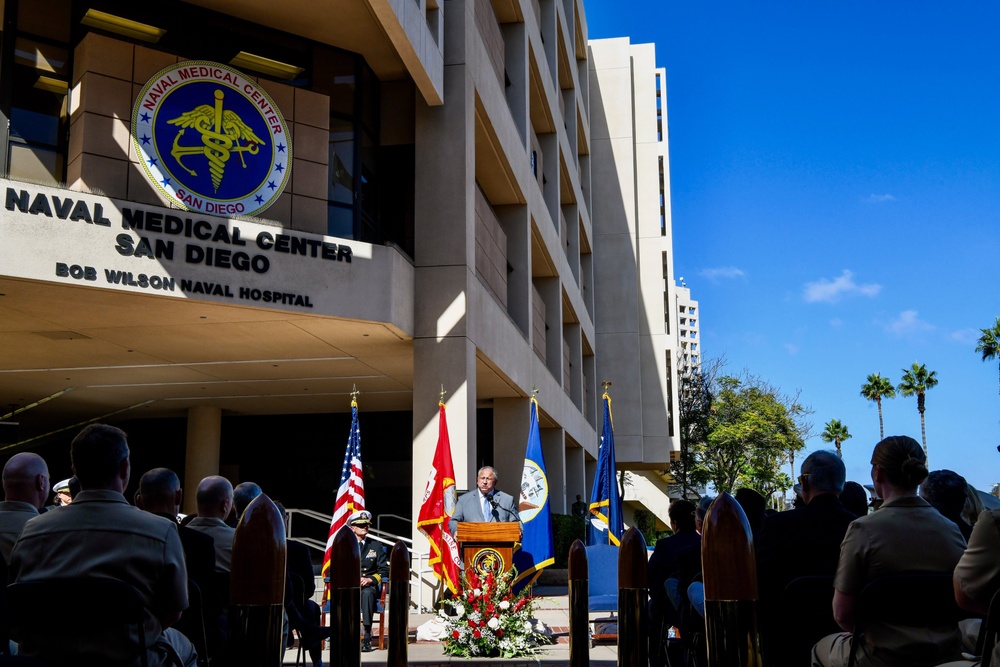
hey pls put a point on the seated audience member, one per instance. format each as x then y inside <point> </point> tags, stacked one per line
<point>215,501</point>
<point>977,575</point>
<point>374,570</point>
<point>670,575</point>
<point>945,491</point>
<point>800,542</point>
<point>160,493</point>
<point>805,541</point>
<point>696,591</point>
<point>753,505</point>
<point>243,495</point>
<point>62,495</point>
<point>101,535</point>
<point>854,498</point>
<point>905,535</point>
<point>25,489</point>
<point>973,505</point>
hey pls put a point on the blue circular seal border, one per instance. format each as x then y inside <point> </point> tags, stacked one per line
<point>211,140</point>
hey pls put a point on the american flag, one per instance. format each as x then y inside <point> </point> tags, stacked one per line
<point>351,493</point>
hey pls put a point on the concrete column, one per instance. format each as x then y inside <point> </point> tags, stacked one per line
<point>554,451</point>
<point>576,483</point>
<point>204,438</point>
<point>510,437</point>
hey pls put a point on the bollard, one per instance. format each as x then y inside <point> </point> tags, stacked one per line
<point>633,601</point>
<point>579,606</point>
<point>345,599</point>
<point>257,586</point>
<point>399,604</point>
<point>730,578</point>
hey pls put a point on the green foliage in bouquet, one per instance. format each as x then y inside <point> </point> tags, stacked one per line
<point>489,620</point>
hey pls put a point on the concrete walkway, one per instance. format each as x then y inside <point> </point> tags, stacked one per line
<point>551,607</point>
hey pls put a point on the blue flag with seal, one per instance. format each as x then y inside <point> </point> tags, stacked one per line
<point>537,549</point>
<point>606,525</point>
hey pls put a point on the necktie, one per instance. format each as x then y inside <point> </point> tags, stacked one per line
<point>486,508</point>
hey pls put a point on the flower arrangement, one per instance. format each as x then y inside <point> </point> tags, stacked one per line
<point>489,620</point>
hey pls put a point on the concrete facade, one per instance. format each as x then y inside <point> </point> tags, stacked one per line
<point>529,251</point>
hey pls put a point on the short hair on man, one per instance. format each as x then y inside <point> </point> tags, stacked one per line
<point>243,495</point>
<point>97,453</point>
<point>945,490</point>
<point>159,485</point>
<point>212,491</point>
<point>681,513</point>
<point>826,471</point>
<point>496,477</point>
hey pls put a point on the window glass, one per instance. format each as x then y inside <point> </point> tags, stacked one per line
<point>341,187</point>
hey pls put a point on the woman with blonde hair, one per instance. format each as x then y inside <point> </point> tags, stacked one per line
<point>905,535</point>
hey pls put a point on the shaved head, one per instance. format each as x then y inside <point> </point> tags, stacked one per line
<point>26,479</point>
<point>215,497</point>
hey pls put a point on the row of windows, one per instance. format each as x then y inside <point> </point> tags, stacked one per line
<point>370,192</point>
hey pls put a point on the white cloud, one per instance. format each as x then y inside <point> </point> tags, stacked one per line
<point>880,199</point>
<point>908,323</point>
<point>831,291</point>
<point>722,272</point>
<point>966,336</point>
<point>791,349</point>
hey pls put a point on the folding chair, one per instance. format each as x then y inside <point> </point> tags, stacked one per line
<point>602,564</point>
<point>988,632</point>
<point>913,599</point>
<point>808,602</point>
<point>105,627</point>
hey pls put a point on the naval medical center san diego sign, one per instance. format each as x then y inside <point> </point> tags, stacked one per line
<point>211,140</point>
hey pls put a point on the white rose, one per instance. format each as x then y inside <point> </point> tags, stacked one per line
<point>493,623</point>
<point>477,592</point>
<point>459,611</point>
<point>527,626</point>
<point>504,605</point>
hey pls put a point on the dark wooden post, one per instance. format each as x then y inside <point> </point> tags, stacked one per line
<point>729,570</point>
<point>345,599</point>
<point>257,586</point>
<point>633,601</point>
<point>579,607</point>
<point>399,604</point>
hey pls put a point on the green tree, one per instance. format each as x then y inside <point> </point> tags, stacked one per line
<point>916,381</point>
<point>875,389</point>
<point>836,433</point>
<point>989,342</point>
<point>751,429</point>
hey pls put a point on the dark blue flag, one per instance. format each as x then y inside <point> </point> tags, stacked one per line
<point>606,526</point>
<point>537,549</point>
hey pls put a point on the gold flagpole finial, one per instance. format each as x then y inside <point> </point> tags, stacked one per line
<point>607,385</point>
<point>355,393</point>
<point>441,395</point>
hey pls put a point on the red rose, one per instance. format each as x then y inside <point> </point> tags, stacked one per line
<point>477,634</point>
<point>499,632</point>
<point>482,624</point>
<point>472,624</point>
<point>456,634</point>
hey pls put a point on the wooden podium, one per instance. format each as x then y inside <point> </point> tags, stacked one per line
<point>488,547</point>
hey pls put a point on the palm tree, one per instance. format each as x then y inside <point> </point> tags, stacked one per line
<point>917,380</point>
<point>989,342</point>
<point>875,389</point>
<point>836,433</point>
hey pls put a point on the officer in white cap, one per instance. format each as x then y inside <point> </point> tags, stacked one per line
<point>374,571</point>
<point>62,494</point>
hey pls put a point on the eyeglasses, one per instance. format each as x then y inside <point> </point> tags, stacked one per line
<point>803,477</point>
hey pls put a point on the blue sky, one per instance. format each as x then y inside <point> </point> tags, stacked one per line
<point>835,183</point>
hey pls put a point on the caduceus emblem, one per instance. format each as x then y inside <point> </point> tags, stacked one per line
<point>222,133</point>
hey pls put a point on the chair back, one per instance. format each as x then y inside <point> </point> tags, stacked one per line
<point>807,616</point>
<point>602,565</point>
<point>103,625</point>
<point>988,632</point>
<point>909,599</point>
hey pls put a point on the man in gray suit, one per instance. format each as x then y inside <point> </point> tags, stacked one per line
<point>486,503</point>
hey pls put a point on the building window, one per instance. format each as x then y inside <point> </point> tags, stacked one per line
<point>37,114</point>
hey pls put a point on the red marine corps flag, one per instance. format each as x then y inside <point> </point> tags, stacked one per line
<point>351,492</point>
<point>436,508</point>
